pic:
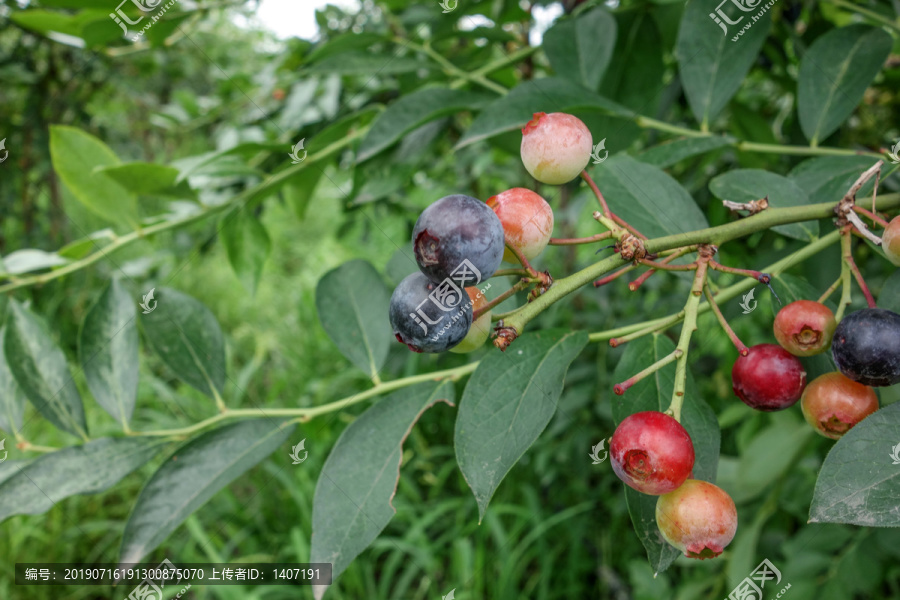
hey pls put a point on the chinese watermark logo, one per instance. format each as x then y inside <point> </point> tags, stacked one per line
<point>145,303</point>
<point>745,303</point>
<point>450,595</point>
<point>601,145</point>
<point>144,6</point>
<point>595,453</point>
<point>752,587</point>
<point>295,452</point>
<point>721,19</point>
<point>447,296</point>
<point>449,6</point>
<point>894,153</point>
<point>3,447</point>
<point>4,150</point>
<point>895,455</point>
<point>296,159</point>
<point>165,572</point>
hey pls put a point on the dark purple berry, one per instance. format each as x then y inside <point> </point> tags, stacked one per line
<point>460,238</point>
<point>430,317</point>
<point>866,347</point>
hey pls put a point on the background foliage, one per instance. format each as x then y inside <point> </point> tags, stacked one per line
<point>399,104</point>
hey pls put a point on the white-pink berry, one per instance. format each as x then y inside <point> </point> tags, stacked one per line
<point>555,147</point>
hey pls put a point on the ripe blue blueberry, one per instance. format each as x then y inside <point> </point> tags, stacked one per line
<point>866,347</point>
<point>428,316</point>
<point>458,237</point>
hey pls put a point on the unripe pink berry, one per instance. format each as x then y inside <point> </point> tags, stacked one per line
<point>651,452</point>
<point>527,221</point>
<point>481,327</point>
<point>769,378</point>
<point>804,327</point>
<point>890,241</point>
<point>833,403</point>
<point>698,518</point>
<point>555,147</point>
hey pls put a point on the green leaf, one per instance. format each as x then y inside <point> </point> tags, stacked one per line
<point>859,482</point>
<point>647,197</point>
<point>743,185</point>
<point>299,191</point>
<point>412,111</point>
<point>580,49</point>
<point>635,78</point>
<point>655,393</point>
<point>551,94</point>
<point>352,302</point>
<point>352,502</point>
<point>193,475</point>
<point>12,400</point>
<point>247,244</point>
<point>674,151</point>
<point>507,404</point>
<point>29,260</point>
<point>40,369</point>
<point>713,64</point>
<point>76,155</point>
<point>834,74</point>
<point>370,65</point>
<point>87,469</point>
<point>141,177</point>
<point>771,453</point>
<point>45,21</point>
<point>108,350</point>
<point>827,178</point>
<point>187,337</point>
<point>889,298</point>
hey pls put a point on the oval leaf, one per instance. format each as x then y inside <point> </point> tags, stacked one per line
<point>352,503</point>
<point>834,74</point>
<point>187,337</point>
<point>413,110</point>
<point>26,261</point>
<point>580,49</point>
<point>647,197</point>
<point>674,151</point>
<point>193,475</point>
<point>827,178</point>
<point>40,369</point>
<point>87,469</point>
<point>507,404</point>
<point>743,185</point>
<point>247,245</point>
<point>76,155</point>
<point>352,302</point>
<point>141,177</point>
<point>551,94</point>
<point>108,351</point>
<point>859,482</point>
<point>655,393</point>
<point>713,59</point>
<point>12,400</point>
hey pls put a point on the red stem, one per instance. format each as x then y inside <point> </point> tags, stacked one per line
<point>603,205</point>
<point>499,299</point>
<point>757,275</point>
<point>614,276</point>
<point>741,348</point>
<point>867,213</point>
<point>860,280</point>
<point>585,240</point>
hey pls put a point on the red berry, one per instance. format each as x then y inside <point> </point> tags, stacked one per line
<point>481,327</point>
<point>890,241</point>
<point>769,378</point>
<point>834,403</point>
<point>804,327</point>
<point>527,221</point>
<point>555,147</point>
<point>698,518</point>
<point>651,452</point>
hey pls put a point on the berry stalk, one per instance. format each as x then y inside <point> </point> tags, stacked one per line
<point>741,348</point>
<point>585,240</point>
<point>620,388</point>
<point>867,213</point>
<point>847,252</point>
<point>687,330</point>
<point>634,285</point>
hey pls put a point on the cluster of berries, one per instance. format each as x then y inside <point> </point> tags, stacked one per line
<point>865,348</point>
<point>460,241</point>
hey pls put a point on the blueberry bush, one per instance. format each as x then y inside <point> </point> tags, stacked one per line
<point>447,251</point>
